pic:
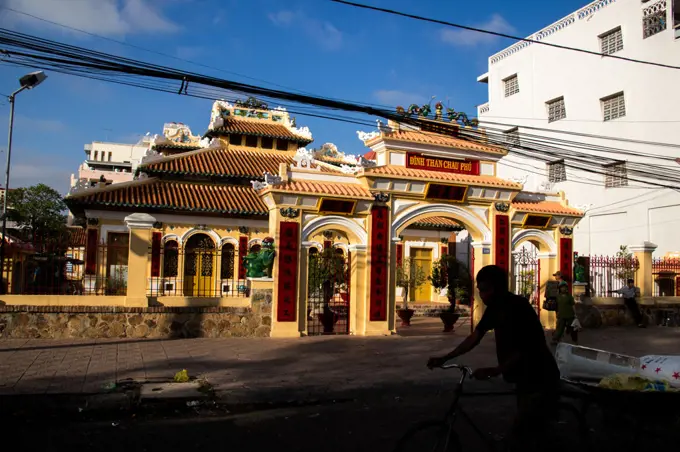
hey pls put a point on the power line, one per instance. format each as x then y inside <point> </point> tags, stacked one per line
<point>77,61</point>
<point>502,35</point>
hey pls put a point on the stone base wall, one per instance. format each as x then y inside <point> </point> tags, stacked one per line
<point>433,309</point>
<point>596,315</point>
<point>61,322</point>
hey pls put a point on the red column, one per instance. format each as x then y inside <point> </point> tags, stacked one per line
<point>156,254</point>
<point>91,252</point>
<point>567,259</point>
<point>379,263</point>
<point>288,271</point>
<point>502,242</point>
<point>400,254</point>
<point>242,252</point>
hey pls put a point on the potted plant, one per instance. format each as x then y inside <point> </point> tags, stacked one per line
<point>330,274</point>
<point>409,278</point>
<point>452,274</point>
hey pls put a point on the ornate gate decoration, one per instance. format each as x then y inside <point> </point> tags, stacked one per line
<point>526,275</point>
<point>328,292</point>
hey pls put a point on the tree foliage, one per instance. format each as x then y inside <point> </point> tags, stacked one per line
<point>410,276</point>
<point>39,212</point>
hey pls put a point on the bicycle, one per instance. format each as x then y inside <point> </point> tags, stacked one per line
<point>439,435</point>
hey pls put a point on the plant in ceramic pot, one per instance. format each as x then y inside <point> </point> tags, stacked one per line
<point>410,277</point>
<point>452,274</point>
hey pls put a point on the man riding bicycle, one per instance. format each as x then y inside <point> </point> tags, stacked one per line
<point>523,355</point>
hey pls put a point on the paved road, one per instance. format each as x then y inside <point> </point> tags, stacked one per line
<point>379,385</point>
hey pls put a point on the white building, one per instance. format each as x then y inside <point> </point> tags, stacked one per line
<point>115,162</point>
<point>532,85</point>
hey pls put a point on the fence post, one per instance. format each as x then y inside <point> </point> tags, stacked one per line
<point>643,254</point>
<point>140,225</point>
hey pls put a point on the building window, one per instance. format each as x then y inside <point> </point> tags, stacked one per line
<point>96,155</point>
<point>611,42</point>
<point>235,139</point>
<point>511,85</point>
<point>676,18</point>
<point>512,137</point>
<point>556,110</point>
<point>616,175</point>
<point>613,107</point>
<point>267,143</point>
<point>251,141</point>
<point>110,155</point>
<point>557,172</point>
<point>654,19</point>
<point>281,145</point>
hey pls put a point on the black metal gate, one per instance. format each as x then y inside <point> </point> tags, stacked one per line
<point>526,275</point>
<point>328,292</point>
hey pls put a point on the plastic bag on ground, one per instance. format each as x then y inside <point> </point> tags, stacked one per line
<point>582,363</point>
<point>661,367</point>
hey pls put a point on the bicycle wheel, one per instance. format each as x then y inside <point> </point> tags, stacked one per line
<point>429,436</point>
<point>572,431</point>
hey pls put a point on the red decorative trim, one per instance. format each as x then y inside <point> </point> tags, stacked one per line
<point>289,242</point>
<point>502,242</point>
<point>156,254</point>
<point>242,252</point>
<point>444,250</point>
<point>400,254</point>
<point>91,252</point>
<point>379,251</point>
<point>566,259</point>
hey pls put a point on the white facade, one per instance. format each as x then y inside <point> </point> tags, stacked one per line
<point>116,162</point>
<point>615,215</point>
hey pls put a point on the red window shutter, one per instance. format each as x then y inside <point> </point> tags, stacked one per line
<point>156,254</point>
<point>400,254</point>
<point>242,252</point>
<point>91,252</point>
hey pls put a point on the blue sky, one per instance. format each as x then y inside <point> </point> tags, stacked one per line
<point>309,45</point>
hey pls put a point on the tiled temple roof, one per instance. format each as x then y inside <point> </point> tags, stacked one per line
<point>436,176</point>
<point>335,189</point>
<point>548,207</point>
<point>228,162</point>
<point>174,195</point>
<point>438,223</point>
<point>256,128</point>
<point>418,136</point>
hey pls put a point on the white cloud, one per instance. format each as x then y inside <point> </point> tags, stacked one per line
<point>469,38</point>
<point>395,97</point>
<point>322,32</point>
<point>103,17</point>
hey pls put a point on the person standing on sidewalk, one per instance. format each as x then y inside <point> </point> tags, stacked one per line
<point>629,293</point>
<point>565,315</point>
<point>560,280</point>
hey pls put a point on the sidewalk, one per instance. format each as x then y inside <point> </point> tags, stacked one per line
<point>262,369</point>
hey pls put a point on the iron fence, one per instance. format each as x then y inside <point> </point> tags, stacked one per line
<point>204,271</point>
<point>609,273</point>
<point>666,277</point>
<point>526,274</point>
<point>97,269</point>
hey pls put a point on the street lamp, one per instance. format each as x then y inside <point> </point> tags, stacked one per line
<point>28,81</point>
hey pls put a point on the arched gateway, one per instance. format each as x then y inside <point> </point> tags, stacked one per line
<point>341,226</point>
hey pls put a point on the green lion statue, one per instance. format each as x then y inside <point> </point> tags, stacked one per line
<point>259,264</point>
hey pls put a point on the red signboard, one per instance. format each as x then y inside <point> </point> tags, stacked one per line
<point>288,271</point>
<point>502,242</point>
<point>429,163</point>
<point>379,248</point>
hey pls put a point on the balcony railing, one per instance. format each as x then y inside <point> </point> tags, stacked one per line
<point>484,108</point>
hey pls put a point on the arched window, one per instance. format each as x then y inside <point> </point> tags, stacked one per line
<point>340,252</point>
<point>227,261</point>
<point>255,248</point>
<point>170,259</point>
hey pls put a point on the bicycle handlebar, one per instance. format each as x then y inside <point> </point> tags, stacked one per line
<point>465,369</point>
